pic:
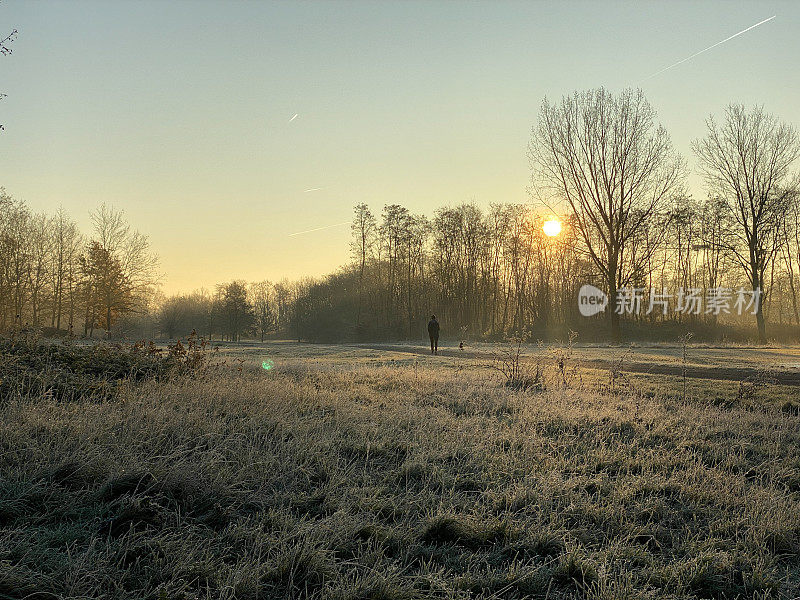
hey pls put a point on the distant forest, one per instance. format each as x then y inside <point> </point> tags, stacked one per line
<point>600,164</point>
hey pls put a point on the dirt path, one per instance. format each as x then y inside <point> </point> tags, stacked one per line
<point>628,366</point>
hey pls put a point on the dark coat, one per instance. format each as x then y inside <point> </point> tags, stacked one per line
<point>433,328</point>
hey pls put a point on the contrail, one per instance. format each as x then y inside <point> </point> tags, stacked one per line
<point>311,190</point>
<point>293,118</point>
<point>320,228</point>
<point>707,49</point>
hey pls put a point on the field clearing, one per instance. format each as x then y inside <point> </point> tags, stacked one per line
<point>786,358</point>
<point>736,363</point>
<point>356,473</point>
<point>776,356</point>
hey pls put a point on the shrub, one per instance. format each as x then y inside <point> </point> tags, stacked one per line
<point>519,375</point>
<point>66,371</point>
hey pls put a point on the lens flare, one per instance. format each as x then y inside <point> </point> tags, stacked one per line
<point>551,227</point>
<point>267,365</point>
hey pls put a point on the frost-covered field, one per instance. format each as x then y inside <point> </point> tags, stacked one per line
<point>345,472</point>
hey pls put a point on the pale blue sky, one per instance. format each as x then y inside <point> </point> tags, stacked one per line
<point>178,111</point>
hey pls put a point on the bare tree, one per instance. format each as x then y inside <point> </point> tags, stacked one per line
<point>15,259</point>
<point>259,294</point>
<point>605,156</point>
<point>362,246</point>
<point>394,232</point>
<point>791,252</point>
<point>746,161</point>
<point>40,243</point>
<point>130,264</point>
<point>65,252</point>
<point>284,294</point>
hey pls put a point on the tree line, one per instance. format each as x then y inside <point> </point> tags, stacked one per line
<point>52,276</point>
<point>56,279</point>
<point>604,167</point>
<point>231,312</point>
<point>600,164</point>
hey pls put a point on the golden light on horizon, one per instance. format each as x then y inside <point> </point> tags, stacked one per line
<point>551,227</point>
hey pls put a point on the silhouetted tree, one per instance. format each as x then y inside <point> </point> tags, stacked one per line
<point>67,242</point>
<point>605,156</point>
<point>363,229</point>
<point>260,297</point>
<point>131,265</point>
<point>109,292</point>
<point>235,311</point>
<point>746,161</point>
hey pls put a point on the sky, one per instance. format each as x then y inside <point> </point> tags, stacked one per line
<point>180,113</point>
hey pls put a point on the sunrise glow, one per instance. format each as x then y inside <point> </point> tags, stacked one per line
<point>552,227</point>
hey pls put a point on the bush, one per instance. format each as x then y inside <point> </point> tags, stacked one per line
<point>66,371</point>
<point>519,374</point>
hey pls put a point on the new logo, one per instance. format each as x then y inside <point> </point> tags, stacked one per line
<point>591,300</point>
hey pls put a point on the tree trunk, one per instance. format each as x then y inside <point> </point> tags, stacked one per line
<point>613,315</point>
<point>86,320</point>
<point>611,280</point>
<point>762,326</point>
<point>757,278</point>
<point>760,320</point>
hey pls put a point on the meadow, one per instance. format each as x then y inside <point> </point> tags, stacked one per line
<point>349,472</point>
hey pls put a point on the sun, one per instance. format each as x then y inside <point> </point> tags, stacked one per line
<point>551,227</point>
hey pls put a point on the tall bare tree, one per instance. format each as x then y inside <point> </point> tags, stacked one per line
<point>363,229</point>
<point>605,156</point>
<point>41,247</point>
<point>66,250</point>
<point>746,161</point>
<point>15,259</point>
<point>791,252</point>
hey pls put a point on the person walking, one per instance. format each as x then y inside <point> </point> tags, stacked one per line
<point>433,333</point>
